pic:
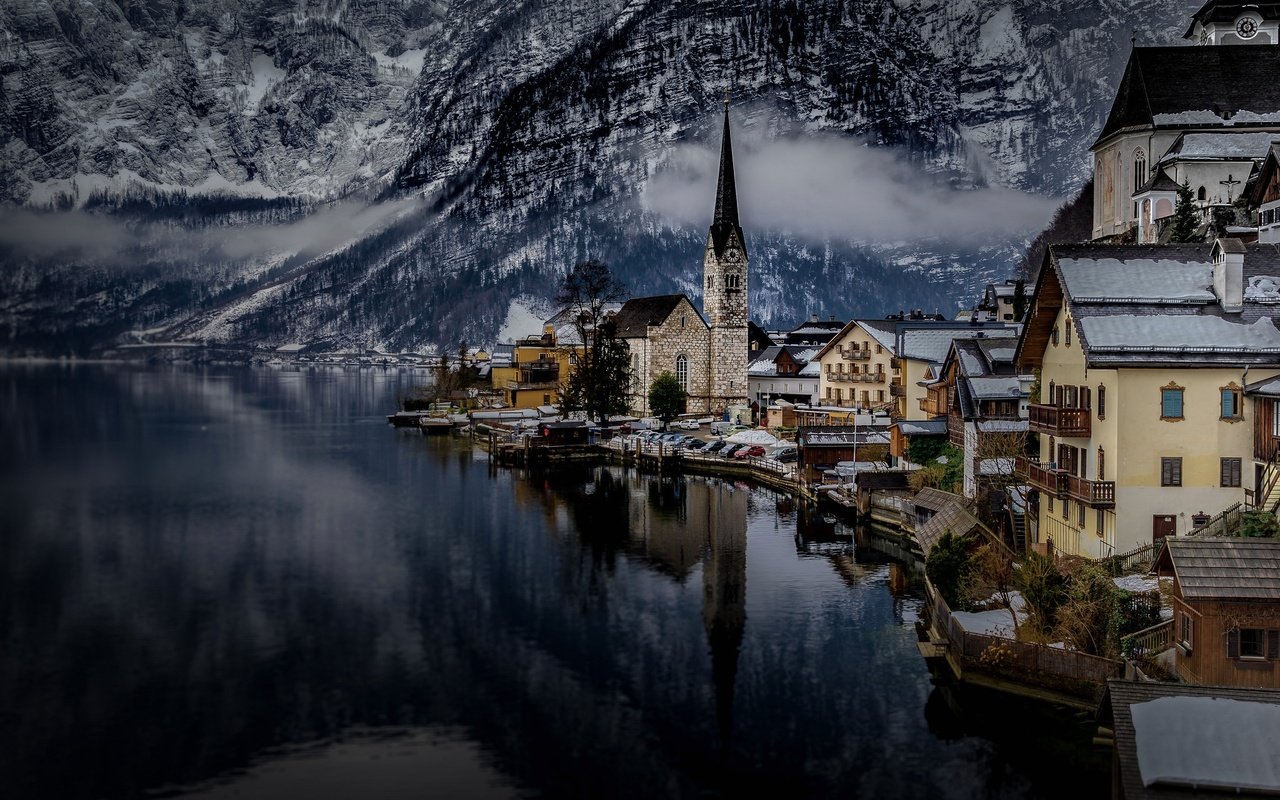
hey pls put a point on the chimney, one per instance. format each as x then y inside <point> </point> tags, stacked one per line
<point>1228,274</point>
<point>813,317</point>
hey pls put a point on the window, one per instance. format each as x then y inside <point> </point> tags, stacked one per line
<point>1052,392</point>
<point>1171,402</point>
<point>682,372</point>
<point>733,281</point>
<point>880,396</point>
<point>1102,402</point>
<point>1100,523</point>
<point>1080,514</point>
<point>1050,506</point>
<point>1230,472</point>
<point>1232,402</point>
<point>1200,194</point>
<point>1170,471</point>
<point>1139,168</point>
<point>1186,631</point>
<point>1102,464</point>
<point>1053,337</point>
<point>1066,509</point>
<point>1066,332</point>
<point>682,320</point>
<point>1253,643</point>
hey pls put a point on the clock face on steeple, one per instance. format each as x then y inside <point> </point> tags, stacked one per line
<point>731,255</point>
<point>1246,27</point>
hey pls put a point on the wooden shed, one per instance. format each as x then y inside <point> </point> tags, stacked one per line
<point>1226,609</point>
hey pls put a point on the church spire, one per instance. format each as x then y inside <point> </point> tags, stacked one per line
<point>726,191</point>
<point>724,225</point>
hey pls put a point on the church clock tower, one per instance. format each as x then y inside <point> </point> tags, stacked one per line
<point>724,297</point>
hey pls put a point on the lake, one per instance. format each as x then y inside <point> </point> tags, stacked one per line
<point>240,582</point>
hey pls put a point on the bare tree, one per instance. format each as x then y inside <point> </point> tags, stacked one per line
<point>600,379</point>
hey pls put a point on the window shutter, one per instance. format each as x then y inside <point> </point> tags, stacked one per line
<point>1273,644</point>
<point>1224,477</point>
<point>1233,643</point>
<point>1086,396</point>
<point>1177,472</point>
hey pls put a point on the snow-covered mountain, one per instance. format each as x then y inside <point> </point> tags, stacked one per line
<point>395,173</point>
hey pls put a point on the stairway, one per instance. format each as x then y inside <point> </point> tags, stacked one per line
<point>1019,531</point>
<point>1270,500</point>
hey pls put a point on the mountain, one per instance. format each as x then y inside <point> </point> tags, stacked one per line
<point>397,173</point>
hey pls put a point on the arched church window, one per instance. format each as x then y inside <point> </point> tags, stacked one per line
<point>1139,168</point>
<point>1200,194</point>
<point>682,372</point>
<point>732,281</point>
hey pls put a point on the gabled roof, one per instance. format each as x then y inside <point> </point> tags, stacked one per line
<point>724,223</point>
<point>1194,87</point>
<point>638,313</point>
<point>1267,173</point>
<point>1235,146</point>
<point>932,342</point>
<point>880,330</point>
<point>1158,182</point>
<point>1223,568</point>
<point>1154,305</point>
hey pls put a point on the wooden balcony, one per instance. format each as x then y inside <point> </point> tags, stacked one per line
<point>1099,494</point>
<point>897,390</point>
<point>1049,481</point>
<point>1059,483</point>
<point>1060,422</point>
<point>854,354</point>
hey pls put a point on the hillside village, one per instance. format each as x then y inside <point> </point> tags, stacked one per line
<point>1120,406</point>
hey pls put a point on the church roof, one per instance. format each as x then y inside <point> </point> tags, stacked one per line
<point>1197,87</point>
<point>1158,182</point>
<point>1220,147</point>
<point>638,313</point>
<point>725,221</point>
<point>1225,11</point>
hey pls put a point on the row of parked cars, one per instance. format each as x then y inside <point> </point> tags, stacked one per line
<point>785,452</point>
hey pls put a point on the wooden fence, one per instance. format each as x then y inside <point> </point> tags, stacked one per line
<point>1026,662</point>
<point>1139,557</point>
<point>1148,641</point>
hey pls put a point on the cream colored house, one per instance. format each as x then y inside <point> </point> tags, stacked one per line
<point>1143,355</point>
<point>920,347</point>
<point>857,366</point>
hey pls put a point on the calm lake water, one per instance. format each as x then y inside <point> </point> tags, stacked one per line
<point>242,583</point>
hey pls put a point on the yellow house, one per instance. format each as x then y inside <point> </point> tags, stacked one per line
<point>1143,355</point>
<point>857,366</point>
<point>920,347</point>
<point>537,370</point>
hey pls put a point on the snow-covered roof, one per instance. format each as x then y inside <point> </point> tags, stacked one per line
<point>1219,147</point>
<point>997,388</point>
<point>880,330</point>
<point>923,427</point>
<point>1147,280</point>
<point>1002,425</point>
<point>811,370</point>
<point>291,348</point>
<point>1262,289</point>
<point>1208,742</point>
<point>932,343</point>
<point>1180,332</point>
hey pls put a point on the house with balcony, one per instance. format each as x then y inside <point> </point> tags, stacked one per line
<point>1264,196</point>
<point>920,347</point>
<point>984,400</point>
<point>1226,609</point>
<point>1144,353</point>
<point>856,366</point>
<point>528,373</point>
<point>779,373</point>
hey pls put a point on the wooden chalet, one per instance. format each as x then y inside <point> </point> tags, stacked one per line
<point>1226,609</point>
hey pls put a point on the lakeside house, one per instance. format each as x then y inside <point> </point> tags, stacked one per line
<point>1226,609</point>
<point>1143,353</point>
<point>856,366</point>
<point>530,375</point>
<point>782,373</point>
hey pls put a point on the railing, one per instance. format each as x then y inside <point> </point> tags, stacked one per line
<point>869,377</point>
<point>1043,478</point>
<point>855,354</point>
<point>1148,641</point>
<point>516,385</point>
<point>839,377</point>
<point>1100,494</point>
<point>1226,523</point>
<point>1060,421</point>
<point>1026,660</point>
<point>897,390</point>
<point>1122,563</point>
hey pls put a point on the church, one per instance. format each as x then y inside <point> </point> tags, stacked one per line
<point>706,350</point>
<point>1205,116</point>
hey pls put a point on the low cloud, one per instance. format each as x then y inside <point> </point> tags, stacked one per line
<point>105,240</point>
<point>839,188</point>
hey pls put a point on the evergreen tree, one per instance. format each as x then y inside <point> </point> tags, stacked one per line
<point>1019,300</point>
<point>599,382</point>
<point>1185,217</point>
<point>667,398</point>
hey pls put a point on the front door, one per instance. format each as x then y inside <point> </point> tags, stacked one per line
<point>1163,525</point>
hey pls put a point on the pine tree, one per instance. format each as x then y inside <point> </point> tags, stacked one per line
<point>1186,220</point>
<point>667,398</point>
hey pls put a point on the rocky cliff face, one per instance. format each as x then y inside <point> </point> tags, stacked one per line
<point>499,142</point>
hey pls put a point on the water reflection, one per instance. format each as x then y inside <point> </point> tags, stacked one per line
<point>198,567</point>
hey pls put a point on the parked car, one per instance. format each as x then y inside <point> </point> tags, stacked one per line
<point>749,451</point>
<point>696,444</point>
<point>720,428</point>
<point>786,454</point>
<point>736,428</point>
<point>716,447</point>
<point>687,425</point>
<point>731,449</point>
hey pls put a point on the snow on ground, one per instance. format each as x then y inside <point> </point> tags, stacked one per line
<point>409,59</point>
<point>524,318</point>
<point>990,623</point>
<point>265,73</point>
<point>753,437</point>
<point>1138,583</point>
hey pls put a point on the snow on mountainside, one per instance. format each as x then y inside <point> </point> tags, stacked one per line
<point>537,133</point>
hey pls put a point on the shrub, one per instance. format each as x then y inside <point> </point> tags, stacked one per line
<point>948,567</point>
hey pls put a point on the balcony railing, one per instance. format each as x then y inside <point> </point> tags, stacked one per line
<point>530,385</point>
<point>1060,483</point>
<point>897,390</point>
<point>854,354</point>
<point>1099,494</point>
<point>1060,422</point>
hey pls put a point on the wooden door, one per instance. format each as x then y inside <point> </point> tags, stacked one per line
<point>1163,525</point>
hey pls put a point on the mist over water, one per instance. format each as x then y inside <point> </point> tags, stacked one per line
<point>242,583</point>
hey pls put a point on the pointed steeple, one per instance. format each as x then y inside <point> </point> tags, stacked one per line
<point>725,220</point>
